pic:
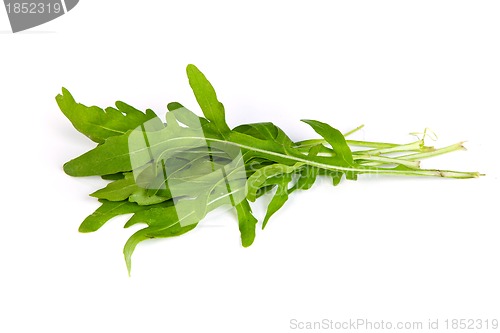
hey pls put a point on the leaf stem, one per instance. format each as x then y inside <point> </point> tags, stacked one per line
<point>354,130</point>
<point>360,169</point>
<point>371,144</point>
<point>415,157</point>
<point>417,146</point>
<point>314,142</point>
<point>380,160</point>
<point>435,152</point>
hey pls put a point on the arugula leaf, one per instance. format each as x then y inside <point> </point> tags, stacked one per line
<point>265,131</point>
<point>258,179</point>
<point>108,158</point>
<point>120,189</point>
<point>247,222</point>
<point>279,198</point>
<point>143,198</point>
<point>170,228</point>
<point>335,138</point>
<point>107,211</point>
<point>207,99</point>
<point>99,124</point>
<point>170,221</point>
<point>307,174</point>
<point>186,116</point>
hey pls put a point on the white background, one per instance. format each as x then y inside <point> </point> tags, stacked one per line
<point>391,249</point>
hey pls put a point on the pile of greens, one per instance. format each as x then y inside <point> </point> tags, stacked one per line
<point>169,175</point>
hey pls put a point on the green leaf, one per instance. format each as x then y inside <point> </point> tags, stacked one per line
<point>99,124</point>
<point>335,138</point>
<point>308,174</point>
<point>307,178</point>
<point>257,180</point>
<point>265,131</point>
<point>186,116</point>
<point>207,99</point>
<point>155,215</point>
<point>109,158</point>
<point>143,198</point>
<point>107,211</point>
<point>279,198</point>
<point>336,176</point>
<point>171,220</point>
<point>246,222</point>
<point>118,190</point>
<point>339,145</point>
<point>170,228</point>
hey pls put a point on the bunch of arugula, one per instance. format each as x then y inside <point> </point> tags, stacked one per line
<point>170,175</point>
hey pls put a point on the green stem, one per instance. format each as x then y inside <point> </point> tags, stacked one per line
<point>371,144</point>
<point>413,146</point>
<point>360,169</point>
<point>430,173</point>
<point>354,130</point>
<point>314,142</point>
<point>280,156</point>
<point>381,160</point>
<point>436,152</point>
<point>416,156</point>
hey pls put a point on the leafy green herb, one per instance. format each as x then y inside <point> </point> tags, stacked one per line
<point>170,175</point>
<point>99,124</point>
